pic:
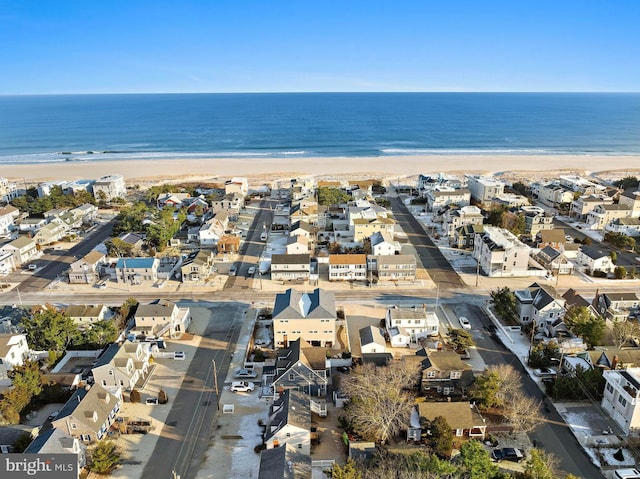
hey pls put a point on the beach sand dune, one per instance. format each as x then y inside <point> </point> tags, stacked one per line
<point>504,166</point>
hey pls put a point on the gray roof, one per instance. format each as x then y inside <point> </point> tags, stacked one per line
<point>161,308</point>
<point>290,259</point>
<point>294,304</point>
<point>83,406</point>
<point>593,253</point>
<point>107,355</point>
<point>396,259</point>
<point>284,462</point>
<point>84,310</point>
<point>52,441</point>
<point>371,335</point>
<point>291,408</point>
<point>303,225</point>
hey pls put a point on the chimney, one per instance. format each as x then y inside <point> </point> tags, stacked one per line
<point>614,362</point>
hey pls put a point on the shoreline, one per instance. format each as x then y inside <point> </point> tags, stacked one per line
<point>282,168</point>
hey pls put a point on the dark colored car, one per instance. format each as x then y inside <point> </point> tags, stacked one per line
<point>507,454</point>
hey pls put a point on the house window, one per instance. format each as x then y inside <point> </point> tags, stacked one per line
<point>431,374</point>
<point>456,374</point>
<point>459,432</point>
<point>288,434</point>
<point>609,388</point>
<point>85,437</point>
<point>292,376</point>
<point>622,401</point>
<point>74,425</point>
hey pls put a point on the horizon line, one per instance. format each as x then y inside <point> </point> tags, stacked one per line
<point>629,92</point>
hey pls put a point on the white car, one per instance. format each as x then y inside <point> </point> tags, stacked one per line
<point>251,271</point>
<point>245,373</point>
<point>179,355</point>
<point>464,322</point>
<point>242,387</point>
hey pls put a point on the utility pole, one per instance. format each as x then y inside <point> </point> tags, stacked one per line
<point>215,383</point>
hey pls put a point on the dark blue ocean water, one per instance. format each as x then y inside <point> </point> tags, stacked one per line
<point>65,127</point>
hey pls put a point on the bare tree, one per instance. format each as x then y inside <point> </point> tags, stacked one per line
<point>510,381</point>
<point>522,411</point>
<point>623,330</point>
<point>380,399</point>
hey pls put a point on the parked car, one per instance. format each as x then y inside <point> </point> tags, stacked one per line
<point>53,415</point>
<point>32,267</point>
<point>508,454</point>
<point>242,387</point>
<point>251,271</point>
<point>464,322</point>
<point>245,373</point>
<point>344,369</point>
<point>152,401</point>
<point>629,473</point>
<point>545,372</point>
<point>179,355</point>
<point>233,270</point>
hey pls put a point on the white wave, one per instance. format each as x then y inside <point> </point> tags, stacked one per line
<point>463,151</point>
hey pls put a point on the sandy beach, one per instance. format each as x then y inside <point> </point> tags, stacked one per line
<point>514,166</point>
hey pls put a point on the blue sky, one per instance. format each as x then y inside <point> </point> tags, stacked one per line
<point>125,46</point>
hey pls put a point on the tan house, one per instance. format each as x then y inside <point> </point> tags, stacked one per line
<point>631,199</point>
<point>160,318</point>
<point>348,267</point>
<point>398,267</point>
<point>197,266</point>
<point>297,244</point>
<point>463,417</point>
<point>86,315</point>
<point>363,228</point>
<point>307,213</point>
<point>86,269</point>
<point>23,250</point>
<point>602,215</point>
<point>309,316</point>
<point>89,414</point>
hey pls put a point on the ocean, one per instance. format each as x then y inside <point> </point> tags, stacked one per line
<point>58,128</point>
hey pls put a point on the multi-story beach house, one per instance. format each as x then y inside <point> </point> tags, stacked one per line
<point>553,194</point>
<point>536,222</point>
<point>626,226</point>
<point>14,351</point>
<point>631,199</point>
<point>621,398</point>
<point>397,267</point>
<point>363,228</point>
<point>583,205</point>
<point>290,422</point>
<point>89,414</point>
<point>602,215</point>
<point>230,204</point>
<point>290,267</point>
<point>160,318</point>
<point>8,216</point>
<point>414,324</point>
<point>540,305</point>
<point>616,306</point>
<point>109,187</point>
<point>87,269</point>
<point>454,218</point>
<point>56,441</point>
<point>298,366</point>
<point>594,259</point>
<point>484,189</point>
<point>8,190</point>
<point>347,267</point>
<point>123,366</point>
<point>500,253</point>
<point>237,185</point>
<point>441,196</point>
<point>310,316</point>
<point>136,270</point>
<point>23,250</point>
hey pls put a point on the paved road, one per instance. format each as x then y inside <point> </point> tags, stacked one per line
<point>440,270</point>
<point>553,435</point>
<point>55,263</point>
<point>184,438</point>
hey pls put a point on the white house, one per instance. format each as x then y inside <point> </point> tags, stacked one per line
<point>109,187</point>
<point>124,366</point>
<point>8,215</point>
<point>23,250</point>
<point>290,422</point>
<point>595,260</point>
<point>210,233</point>
<point>454,218</point>
<point>626,226</point>
<point>500,253</point>
<point>236,185</point>
<point>382,244</point>
<point>372,340</point>
<point>621,399</point>
<point>160,318</point>
<point>484,189</point>
<point>541,305</point>
<point>297,244</point>
<point>14,350</point>
<point>347,267</point>
<point>413,324</point>
<point>441,196</point>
